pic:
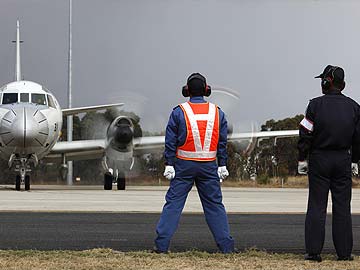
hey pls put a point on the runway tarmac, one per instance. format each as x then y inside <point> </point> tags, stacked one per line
<point>78,218</point>
<point>151,200</point>
<point>135,231</point>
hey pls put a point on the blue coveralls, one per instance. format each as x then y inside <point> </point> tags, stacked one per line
<point>206,179</point>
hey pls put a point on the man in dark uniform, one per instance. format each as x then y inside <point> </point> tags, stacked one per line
<point>195,152</point>
<point>329,139</point>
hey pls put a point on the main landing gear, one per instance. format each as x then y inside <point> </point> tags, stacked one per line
<point>109,179</point>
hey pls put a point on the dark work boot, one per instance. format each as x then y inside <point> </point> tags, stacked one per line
<point>155,250</point>
<point>313,257</point>
<point>348,258</point>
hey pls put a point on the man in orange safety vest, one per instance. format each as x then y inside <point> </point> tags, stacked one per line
<point>195,152</point>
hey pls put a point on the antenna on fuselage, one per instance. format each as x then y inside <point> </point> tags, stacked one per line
<point>18,63</point>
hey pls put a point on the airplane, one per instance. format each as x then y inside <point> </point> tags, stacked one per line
<point>30,127</point>
<point>30,122</point>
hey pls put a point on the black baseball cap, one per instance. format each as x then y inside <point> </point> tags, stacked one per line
<point>335,72</point>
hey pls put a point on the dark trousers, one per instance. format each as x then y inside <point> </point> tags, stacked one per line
<point>206,179</point>
<point>329,170</point>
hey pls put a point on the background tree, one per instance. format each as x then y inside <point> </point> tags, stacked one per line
<point>284,150</point>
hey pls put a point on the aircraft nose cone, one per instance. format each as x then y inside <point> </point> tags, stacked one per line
<point>24,128</point>
<point>36,129</point>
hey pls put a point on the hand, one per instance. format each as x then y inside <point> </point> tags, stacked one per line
<point>303,167</point>
<point>223,173</point>
<point>169,172</point>
<point>354,169</point>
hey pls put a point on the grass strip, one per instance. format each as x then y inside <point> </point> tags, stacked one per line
<point>111,259</point>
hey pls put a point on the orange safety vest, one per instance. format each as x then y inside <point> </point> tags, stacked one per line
<point>202,125</point>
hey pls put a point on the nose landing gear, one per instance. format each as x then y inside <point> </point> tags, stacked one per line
<point>23,177</point>
<point>109,179</point>
<point>114,176</point>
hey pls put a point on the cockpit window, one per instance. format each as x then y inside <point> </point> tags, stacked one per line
<point>24,97</point>
<point>51,102</point>
<point>9,98</point>
<point>38,99</point>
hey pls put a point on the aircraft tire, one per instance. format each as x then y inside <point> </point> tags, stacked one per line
<point>121,181</point>
<point>27,182</point>
<point>108,179</point>
<point>17,182</point>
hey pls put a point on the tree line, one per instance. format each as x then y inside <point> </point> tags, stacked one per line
<point>270,157</point>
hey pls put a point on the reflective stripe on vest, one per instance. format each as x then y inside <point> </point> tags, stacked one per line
<point>199,151</point>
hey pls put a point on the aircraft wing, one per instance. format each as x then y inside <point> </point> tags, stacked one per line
<point>77,150</point>
<point>263,135</point>
<point>253,137</point>
<point>154,143</point>
<point>144,145</point>
<point>93,149</point>
<point>78,110</point>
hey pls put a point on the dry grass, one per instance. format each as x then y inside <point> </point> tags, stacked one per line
<point>109,259</point>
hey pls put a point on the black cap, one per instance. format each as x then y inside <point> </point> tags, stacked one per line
<point>336,73</point>
<point>326,71</point>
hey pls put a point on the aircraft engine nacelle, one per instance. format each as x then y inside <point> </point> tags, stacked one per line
<point>120,134</point>
<point>119,144</point>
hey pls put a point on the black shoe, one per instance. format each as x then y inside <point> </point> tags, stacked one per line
<point>155,250</point>
<point>349,258</point>
<point>313,257</point>
<point>234,251</point>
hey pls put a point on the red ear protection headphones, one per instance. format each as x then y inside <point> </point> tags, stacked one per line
<point>207,88</point>
<point>327,81</point>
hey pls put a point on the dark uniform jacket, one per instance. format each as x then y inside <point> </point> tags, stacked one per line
<point>331,122</point>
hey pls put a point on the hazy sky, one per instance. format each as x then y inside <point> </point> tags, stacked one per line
<point>140,52</point>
